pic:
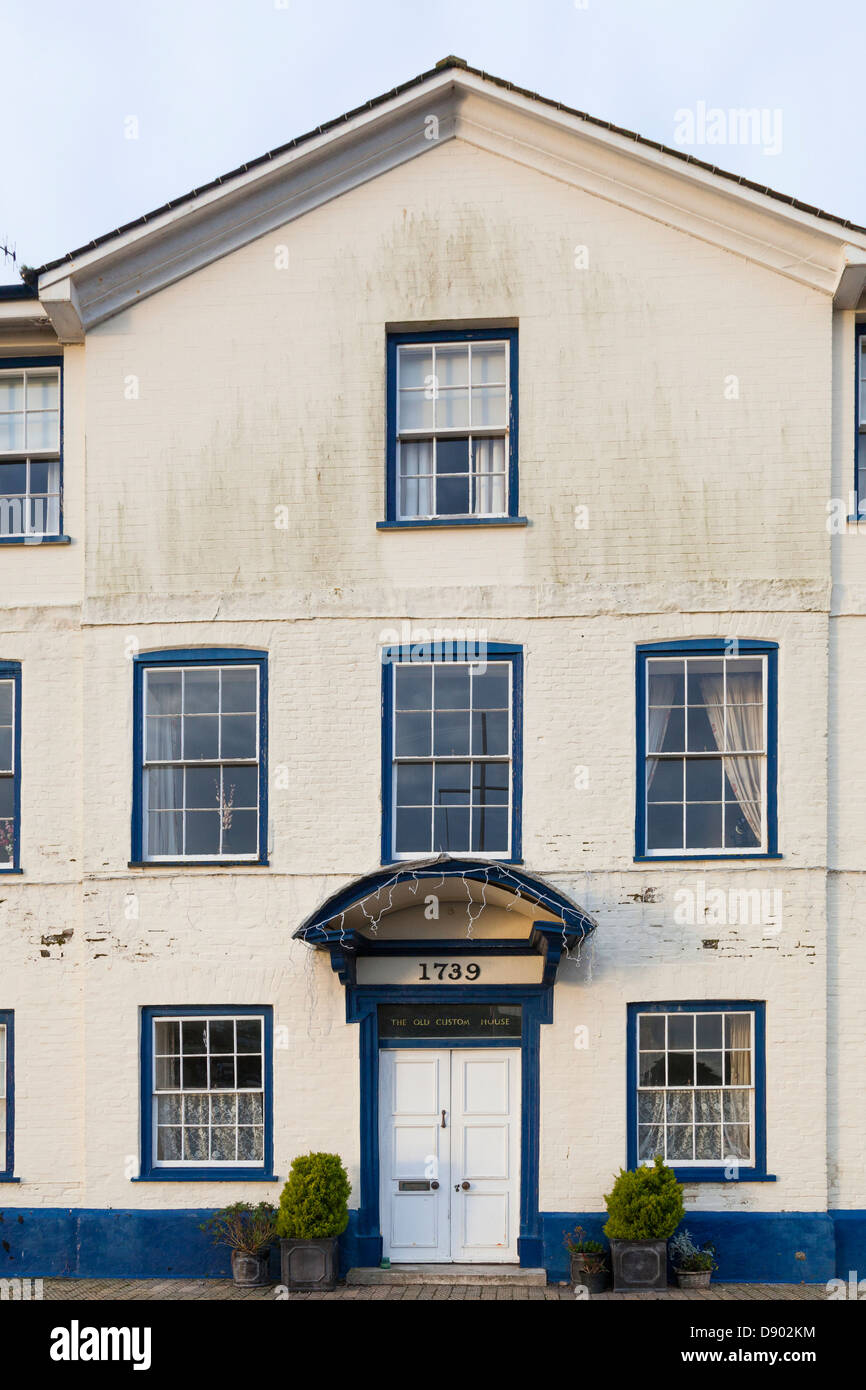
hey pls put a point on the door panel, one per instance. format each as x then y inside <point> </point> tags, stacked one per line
<point>485,1154</point>
<point>414,1089</point>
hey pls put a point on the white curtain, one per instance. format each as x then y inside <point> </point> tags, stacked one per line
<point>416,461</point>
<point>659,716</point>
<point>745,730</point>
<point>164,784</point>
<point>740,1038</point>
<point>490,476</point>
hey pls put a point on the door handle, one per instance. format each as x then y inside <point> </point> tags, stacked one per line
<point>434,1186</point>
<point>463,1185</point>
<point>443,1120</point>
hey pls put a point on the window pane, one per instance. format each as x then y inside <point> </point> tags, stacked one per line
<point>169,1110</point>
<point>163,692</point>
<point>167,1037</point>
<point>652,1031</point>
<point>452,366</point>
<point>240,832</point>
<point>7,701</point>
<point>490,688</point>
<point>223,1144</point>
<point>703,826</point>
<point>415,365</point>
<point>414,687</point>
<point>13,476</point>
<point>665,779</point>
<point>704,779</point>
<point>201,692</point>
<point>651,1141</point>
<point>7,797</point>
<point>738,1068</point>
<point>222,1073</point>
<point>650,1107</point>
<point>239,689</point>
<point>488,363</point>
<point>451,684</point>
<point>681,1068</point>
<point>6,745</point>
<point>416,457</point>
<point>679,1107</point>
<point>489,830</point>
<point>451,828</point>
<point>416,497</point>
<point>11,433</point>
<point>452,409</point>
<point>43,430</point>
<point>196,1109</point>
<point>490,495</point>
<point>681,1030</point>
<point>238,736</point>
<point>708,1107</point>
<point>452,496</point>
<point>167,1073</point>
<point>11,391</point>
<point>169,1147</point>
<point>708,1029</point>
<point>664,827</point>
<point>251,1145</point>
<point>737,1107</point>
<point>706,728</point>
<point>666,730</point>
<point>164,833</point>
<point>201,736</point>
<point>250,1109</point>
<point>222,1036</point>
<point>202,832</point>
<point>241,787</point>
<point>736,1141</point>
<point>164,788</point>
<point>194,1036</point>
<point>666,682</point>
<point>652,1069</point>
<point>43,391</point>
<point>195,1144</point>
<point>489,407</point>
<point>249,1034</point>
<point>194,1072</point>
<point>743,826</point>
<point>416,410</point>
<point>710,1071</point>
<point>413,735</point>
<point>202,786</point>
<point>453,784</point>
<point>413,831</point>
<point>708,1142</point>
<point>490,784</point>
<point>680,1142</point>
<point>162,739</point>
<point>249,1070</point>
<point>490,732</point>
<point>705,683</point>
<point>450,733</point>
<point>415,784</point>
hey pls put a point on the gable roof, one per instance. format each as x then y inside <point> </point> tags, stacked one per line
<point>808,243</point>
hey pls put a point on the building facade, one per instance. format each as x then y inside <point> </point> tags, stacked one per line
<point>431,692</point>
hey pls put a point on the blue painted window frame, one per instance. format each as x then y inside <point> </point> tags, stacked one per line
<point>11,670</point>
<point>7,1019</point>
<point>492,651</point>
<point>757,1173</point>
<point>35,360</point>
<point>188,1173</point>
<point>708,647</point>
<point>392,511</point>
<point>195,656</point>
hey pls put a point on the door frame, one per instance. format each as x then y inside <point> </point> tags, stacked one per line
<point>536,1002</point>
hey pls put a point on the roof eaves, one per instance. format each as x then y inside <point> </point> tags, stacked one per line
<point>446,64</point>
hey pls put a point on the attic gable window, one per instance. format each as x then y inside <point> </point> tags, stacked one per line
<point>452,431</point>
<point>30,450</point>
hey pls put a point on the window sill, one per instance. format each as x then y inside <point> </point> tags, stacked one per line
<point>208,1175</point>
<point>11,871</point>
<point>687,1175</point>
<point>35,541</point>
<point>4,1177</point>
<point>441,523</point>
<point>700,858</point>
<point>198,864</point>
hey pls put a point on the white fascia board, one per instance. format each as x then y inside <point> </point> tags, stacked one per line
<point>181,240</point>
<point>61,303</point>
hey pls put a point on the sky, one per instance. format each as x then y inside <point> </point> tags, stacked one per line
<point>111,109</point>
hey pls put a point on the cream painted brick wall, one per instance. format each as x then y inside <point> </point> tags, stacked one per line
<point>259,388</point>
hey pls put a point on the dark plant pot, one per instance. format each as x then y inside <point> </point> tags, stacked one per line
<point>248,1271</point>
<point>694,1278</point>
<point>309,1264</point>
<point>639,1264</point>
<point>595,1283</point>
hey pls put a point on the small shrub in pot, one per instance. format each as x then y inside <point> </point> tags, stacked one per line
<point>249,1232</point>
<point>692,1264</point>
<point>589,1265</point>
<point>644,1209</point>
<point>313,1214</point>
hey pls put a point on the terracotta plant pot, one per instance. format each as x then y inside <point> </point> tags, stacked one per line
<point>694,1278</point>
<point>249,1271</point>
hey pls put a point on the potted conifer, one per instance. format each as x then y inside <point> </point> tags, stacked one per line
<point>313,1213</point>
<point>249,1232</point>
<point>644,1209</point>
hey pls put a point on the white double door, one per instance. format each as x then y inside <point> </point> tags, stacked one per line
<point>449,1154</point>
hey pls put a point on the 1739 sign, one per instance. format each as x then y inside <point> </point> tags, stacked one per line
<point>476,1021</point>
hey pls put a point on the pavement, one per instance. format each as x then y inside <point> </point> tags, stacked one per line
<point>201,1290</point>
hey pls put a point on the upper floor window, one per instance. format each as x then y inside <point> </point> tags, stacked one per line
<point>452,426</point>
<point>706,749</point>
<point>697,1087</point>
<point>30,448</point>
<point>10,764</point>
<point>200,768</point>
<point>7,1156</point>
<point>452,753</point>
<point>206,1091</point>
